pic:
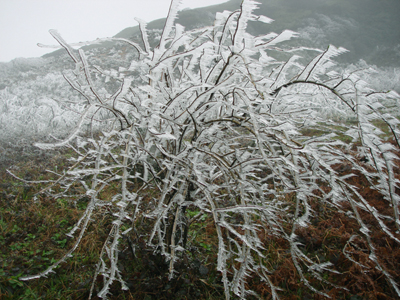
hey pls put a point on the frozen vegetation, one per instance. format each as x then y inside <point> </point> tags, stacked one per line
<point>215,120</point>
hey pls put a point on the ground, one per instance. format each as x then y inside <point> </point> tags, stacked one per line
<point>32,236</point>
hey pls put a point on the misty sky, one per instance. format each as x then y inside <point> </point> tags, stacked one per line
<point>24,23</point>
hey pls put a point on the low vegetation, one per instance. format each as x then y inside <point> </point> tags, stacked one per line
<point>33,237</point>
<point>227,166</point>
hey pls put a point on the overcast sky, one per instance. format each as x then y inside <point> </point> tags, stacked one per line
<point>24,23</point>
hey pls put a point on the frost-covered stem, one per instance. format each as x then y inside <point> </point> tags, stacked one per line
<point>395,199</point>
<point>65,174</point>
<point>69,253</point>
<point>222,255</point>
<point>250,76</point>
<point>172,241</point>
<point>238,281</point>
<point>113,256</point>
<point>172,14</point>
<point>365,231</point>
<point>142,27</point>
<point>87,76</point>
<point>320,84</point>
<point>265,276</point>
<point>163,208</point>
<point>99,264</point>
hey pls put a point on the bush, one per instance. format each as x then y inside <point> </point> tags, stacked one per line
<point>217,122</point>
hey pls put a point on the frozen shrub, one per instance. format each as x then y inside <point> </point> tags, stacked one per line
<point>213,118</point>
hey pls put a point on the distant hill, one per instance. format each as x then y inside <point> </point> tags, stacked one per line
<point>370,29</point>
